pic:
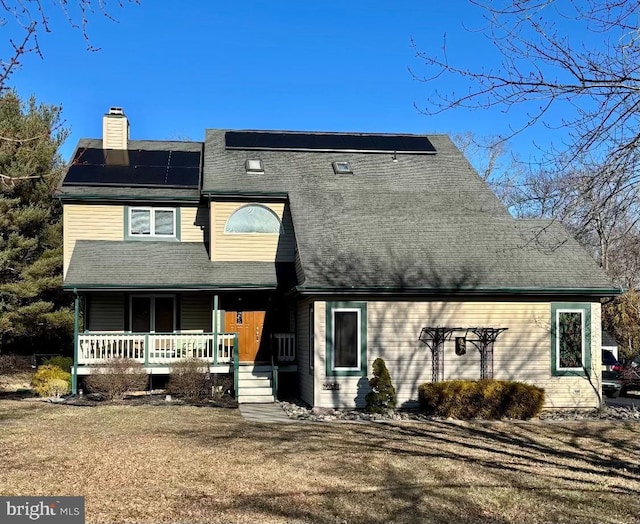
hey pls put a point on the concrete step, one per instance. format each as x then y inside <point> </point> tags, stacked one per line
<point>255,399</point>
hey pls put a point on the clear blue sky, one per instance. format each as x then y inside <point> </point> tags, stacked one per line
<point>178,68</point>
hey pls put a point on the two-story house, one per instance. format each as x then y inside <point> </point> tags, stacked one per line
<point>306,256</point>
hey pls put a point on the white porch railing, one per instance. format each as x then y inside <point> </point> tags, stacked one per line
<point>284,345</point>
<point>155,348</point>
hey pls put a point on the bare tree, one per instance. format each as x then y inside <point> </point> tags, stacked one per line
<point>592,80</point>
<point>494,161</point>
<point>28,20</point>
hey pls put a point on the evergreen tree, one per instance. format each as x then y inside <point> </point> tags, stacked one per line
<point>382,396</point>
<point>34,313</point>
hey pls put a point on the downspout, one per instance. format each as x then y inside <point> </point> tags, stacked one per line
<point>76,324</point>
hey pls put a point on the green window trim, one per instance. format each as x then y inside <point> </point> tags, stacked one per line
<point>360,370</point>
<point>162,238</point>
<point>584,309</point>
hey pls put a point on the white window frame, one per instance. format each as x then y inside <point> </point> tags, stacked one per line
<point>152,222</point>
<point>358,312</point>
<point>583,345</point>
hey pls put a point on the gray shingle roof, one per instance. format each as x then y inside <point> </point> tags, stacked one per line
<point>422,222</point>
<point>133,193</point>
<point>148,264</point>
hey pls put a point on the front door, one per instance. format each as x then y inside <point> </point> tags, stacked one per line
<point>248,325</point>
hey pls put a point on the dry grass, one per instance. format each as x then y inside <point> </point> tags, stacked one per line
<point>16,381</point>
<point>158,464</point>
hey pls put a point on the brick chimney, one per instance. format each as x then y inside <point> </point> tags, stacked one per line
<point>115,129</point>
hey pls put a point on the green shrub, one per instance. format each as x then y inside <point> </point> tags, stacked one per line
<point>65,363</point>
<point>382,397</point>
<point>46,381</point>
<point>116,378</point>
<point>189,379</point>
<point>486,399</point>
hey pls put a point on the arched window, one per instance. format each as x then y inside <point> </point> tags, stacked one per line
<point>253,218</point>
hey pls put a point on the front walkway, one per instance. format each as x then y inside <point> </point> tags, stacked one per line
<point>270,413</point>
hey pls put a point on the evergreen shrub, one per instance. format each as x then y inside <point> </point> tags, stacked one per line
<point>382,397</point>
<point>46,381</point>
<point>65,363</point>
<point>485,399</point>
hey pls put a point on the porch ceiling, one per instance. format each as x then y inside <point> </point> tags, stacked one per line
<point>99,264</point>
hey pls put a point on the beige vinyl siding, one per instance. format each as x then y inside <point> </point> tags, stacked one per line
<point>195,312</point>
<point>250,246</point>
<point>522,353</point>
<point>305,378</point>
<point>106,312</point>
<point>189,231</point>
<point>90,222</point>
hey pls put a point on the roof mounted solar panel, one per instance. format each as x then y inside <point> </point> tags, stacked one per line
<point>289,141</point>
<point>134,168</point>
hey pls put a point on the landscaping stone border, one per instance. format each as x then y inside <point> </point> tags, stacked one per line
<point>299,411</point>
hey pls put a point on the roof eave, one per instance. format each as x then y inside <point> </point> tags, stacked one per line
<point>169,287</point>
<point>497,291</point>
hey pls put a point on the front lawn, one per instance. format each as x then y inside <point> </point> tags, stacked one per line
<point>181,464</point>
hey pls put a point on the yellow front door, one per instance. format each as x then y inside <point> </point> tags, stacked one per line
<point>249,326</point>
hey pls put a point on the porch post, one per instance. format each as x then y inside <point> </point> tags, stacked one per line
<point>215,329</point>
<point>76,324</point>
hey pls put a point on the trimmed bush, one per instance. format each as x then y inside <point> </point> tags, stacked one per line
<point>48,380</point>
<point>65,363</point>
<point>116,378</point>
<point>485,399</point>
<point>189,380</point>
<point>382,397</point>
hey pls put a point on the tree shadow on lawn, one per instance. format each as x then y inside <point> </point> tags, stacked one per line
<point>505,458</point>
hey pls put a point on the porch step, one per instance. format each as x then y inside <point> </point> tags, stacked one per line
<point>254,384</point>
<point>260,390</point>
<point>255,399</point>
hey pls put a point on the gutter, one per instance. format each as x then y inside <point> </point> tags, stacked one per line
<point>187,287</point>
<point>389,290</point>
<point>279,195</point>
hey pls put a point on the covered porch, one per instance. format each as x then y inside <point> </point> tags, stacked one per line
<point>162,302</point>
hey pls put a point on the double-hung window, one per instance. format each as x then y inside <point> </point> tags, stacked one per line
<point>152,222</point>
<point>570,339</point>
